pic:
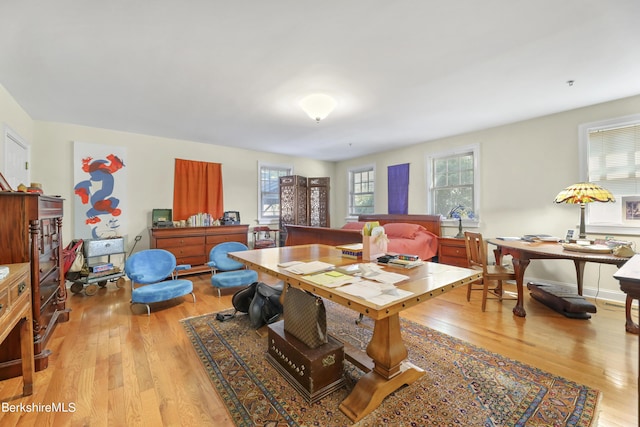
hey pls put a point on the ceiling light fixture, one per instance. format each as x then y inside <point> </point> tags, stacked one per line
<point>318,106</point>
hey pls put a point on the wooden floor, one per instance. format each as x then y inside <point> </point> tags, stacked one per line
<point>112,366</point>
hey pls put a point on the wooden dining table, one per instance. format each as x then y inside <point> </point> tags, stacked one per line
<point>523,252</point>
<point>386,350</point>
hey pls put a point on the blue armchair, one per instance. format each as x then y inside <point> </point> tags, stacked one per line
<point>149,271</point>
<point>226,272</point>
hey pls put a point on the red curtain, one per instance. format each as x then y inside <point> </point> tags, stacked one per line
<point>197,188</point>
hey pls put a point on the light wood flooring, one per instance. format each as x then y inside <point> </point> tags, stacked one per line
<point>112,366</point>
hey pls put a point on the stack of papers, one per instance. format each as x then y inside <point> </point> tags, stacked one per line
<point>377,293</point>
<point>308,267</point>
<point>4,271</point>
<point>375,272</point>
<point>332,279</point>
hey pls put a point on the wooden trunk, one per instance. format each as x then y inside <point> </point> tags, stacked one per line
<point>313,372</point>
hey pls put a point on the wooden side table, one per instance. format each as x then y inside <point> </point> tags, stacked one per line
<point>15,309</point>
<point>452,251</point>
<point>629,277</point>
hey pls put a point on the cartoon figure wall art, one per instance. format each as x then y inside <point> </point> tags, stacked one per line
<point>99,191</point>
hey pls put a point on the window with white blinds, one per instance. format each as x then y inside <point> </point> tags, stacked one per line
<point>610,157</point>
<point>614,159</point>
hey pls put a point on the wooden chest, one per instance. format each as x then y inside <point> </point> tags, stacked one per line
<point>452,251</point>
<point>191,245</point>
<point>313,372</point>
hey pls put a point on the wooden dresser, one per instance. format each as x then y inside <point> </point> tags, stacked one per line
<point>191,245</point>
<point>15,313</point>
<point>452,251</point>
<point>31,231</point>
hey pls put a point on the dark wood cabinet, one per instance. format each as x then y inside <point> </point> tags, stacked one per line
<point>191,245</point>
<point>31,231</point>
<point>293,201</point>
<point>318,195</point>
<point>452,251</point>
<point>303,201</point>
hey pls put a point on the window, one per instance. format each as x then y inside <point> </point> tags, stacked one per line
<point>610,157</point>
<point>452,180</point>
<point>269,190</point>
<point>361,190</point>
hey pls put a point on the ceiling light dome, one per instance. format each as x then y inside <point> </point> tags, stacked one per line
<point>318,105</point>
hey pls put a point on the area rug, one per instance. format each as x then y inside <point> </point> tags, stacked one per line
<point>464,385</point>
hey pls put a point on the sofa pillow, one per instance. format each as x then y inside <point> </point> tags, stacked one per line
<point>402,230</point>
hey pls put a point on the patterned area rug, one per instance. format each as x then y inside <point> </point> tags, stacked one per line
<point>464,385</point>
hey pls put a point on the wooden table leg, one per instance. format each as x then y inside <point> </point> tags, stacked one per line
<point>579,274</point>
<point>26,354</point>
<point>391,371</point>
<point>630,325</point>
<point>519,266</point>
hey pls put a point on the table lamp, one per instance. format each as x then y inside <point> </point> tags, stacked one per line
<point>460,212</point>
<point>583,193</point>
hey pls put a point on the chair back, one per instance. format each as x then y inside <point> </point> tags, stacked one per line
<point>476,251</point>
<point>218,256</point>
<point>264,237</point>
<point>150,266</point>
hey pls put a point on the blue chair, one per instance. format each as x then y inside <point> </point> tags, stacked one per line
<point>226,272</point>
<point>149,270</point>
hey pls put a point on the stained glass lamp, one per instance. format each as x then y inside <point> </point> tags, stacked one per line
<point>460,212</point>
<point>583,193</point>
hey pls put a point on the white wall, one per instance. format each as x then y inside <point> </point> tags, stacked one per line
<point>149,166</point>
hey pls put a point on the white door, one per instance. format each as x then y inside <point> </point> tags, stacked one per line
<point>16,159</point>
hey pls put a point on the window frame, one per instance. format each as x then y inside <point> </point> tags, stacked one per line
<point>457,151</point>
<point>262,219</point>
<point>350,183</point>
<point>583,156</point>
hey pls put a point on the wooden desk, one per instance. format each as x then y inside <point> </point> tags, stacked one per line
<point>523,252</point>
<point>629,277</point>
<point>386,349</point>
<point>15,309</point>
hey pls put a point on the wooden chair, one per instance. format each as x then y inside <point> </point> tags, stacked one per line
<point>477,258</point>
<point>264,237</point>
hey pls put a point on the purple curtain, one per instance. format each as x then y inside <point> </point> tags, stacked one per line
<point>398,188</point>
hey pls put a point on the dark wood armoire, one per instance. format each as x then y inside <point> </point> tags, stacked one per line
<point>303,201</point>
<point>31,231</point>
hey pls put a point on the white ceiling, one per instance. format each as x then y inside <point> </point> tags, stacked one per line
<point>232,72</point>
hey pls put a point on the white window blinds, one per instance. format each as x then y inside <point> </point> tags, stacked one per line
<point>614,159</point>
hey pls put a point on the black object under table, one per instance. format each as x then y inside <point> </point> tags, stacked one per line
<point>563,299</point>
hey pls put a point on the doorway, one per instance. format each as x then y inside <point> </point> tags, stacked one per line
<point>16,159</point>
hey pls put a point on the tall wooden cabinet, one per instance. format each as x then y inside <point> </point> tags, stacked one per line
<point>303,201</point>
<point>31,231</point>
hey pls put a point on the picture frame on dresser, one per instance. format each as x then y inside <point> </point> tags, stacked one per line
<point>4,184</point>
